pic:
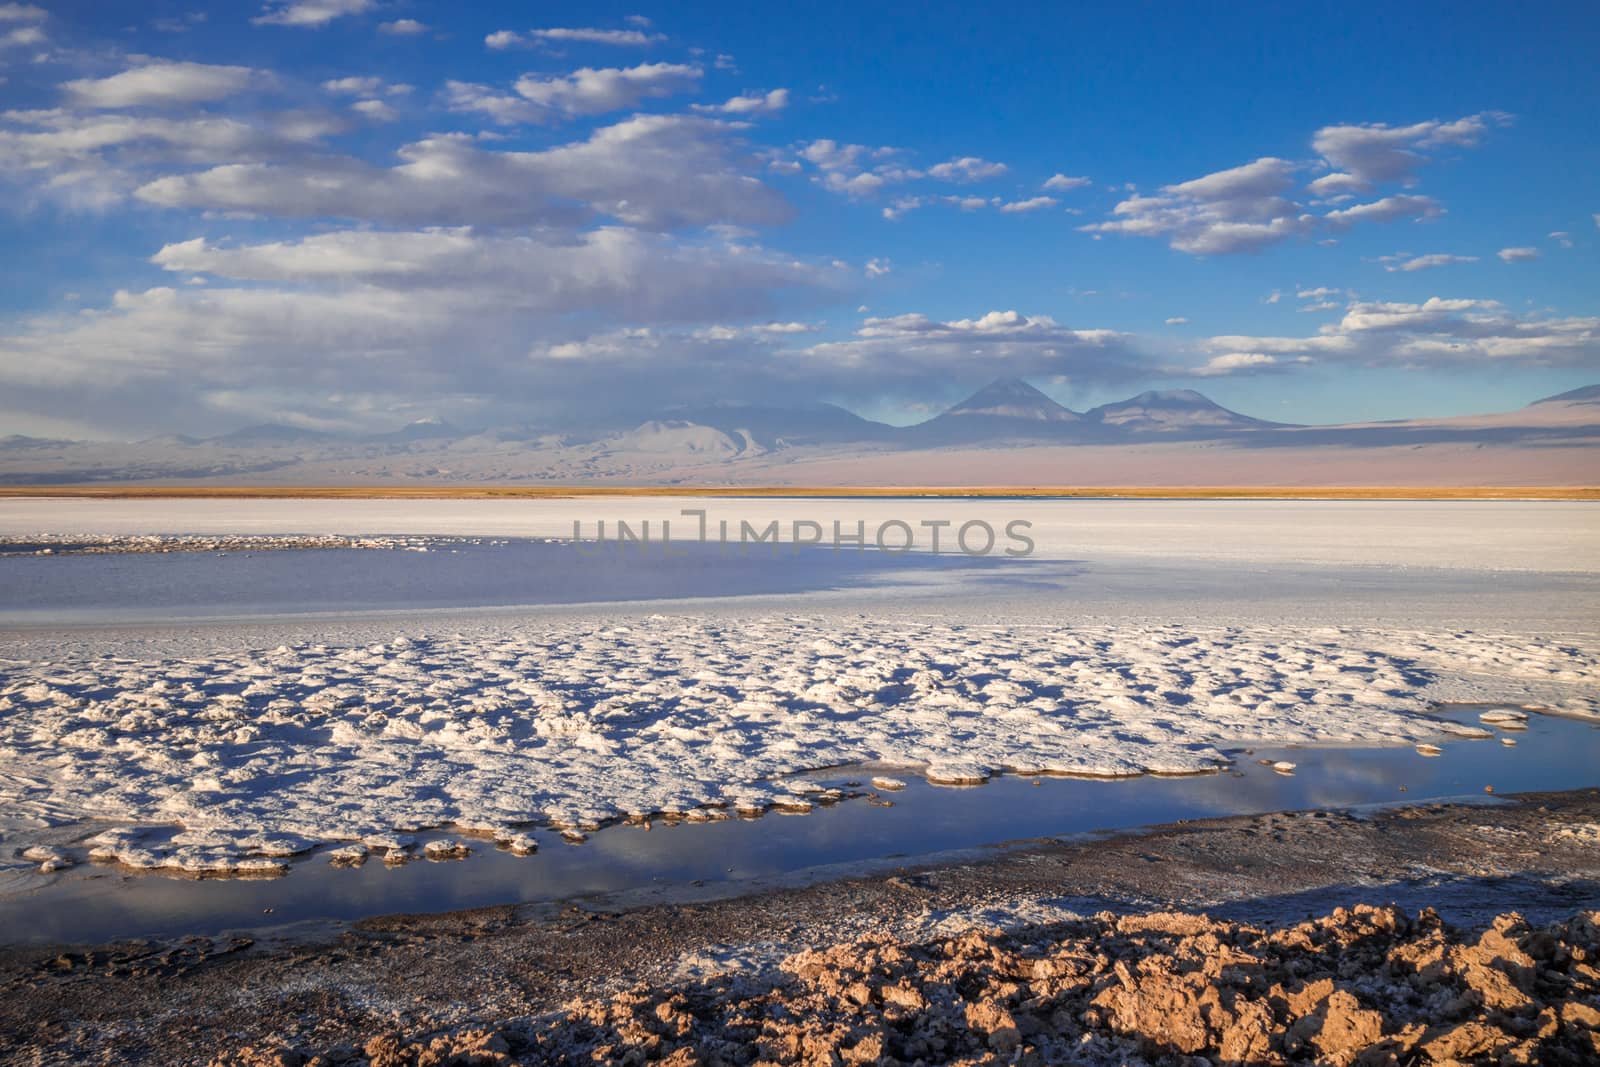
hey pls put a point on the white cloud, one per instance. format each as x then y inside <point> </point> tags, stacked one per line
<point>1518,255</point>
<point>843,167</point>
<point>312,13</point>
<point>376,110</point>
<point>1373,153</point>
<point>22,36</point>
<point>1061,183</point>
<point>1336,185</point>
<point>1561,237</point>
<point>1437,331</point>
<point>1230,362</point>
<point>1388,209</point>
<point>1037,203</point>
<point>93,160</point>
<point>656,171</point>
<point>1177,320</point>
<point>403,27</point>
<point>635,38</point>
<point>365,317</point>
<point>1249,207</point>
<point>966,170</point>
<point>750,104</point>
<point>12,12</point>
<point>164,84</point>
<point>588,35</point>
<point>591,91</point>
<point>878,267</point>
<point>365,86</point>
<point>1241,209</point>
<point>905,353</point>
<point>1438,259</point>
<point>506,109</point>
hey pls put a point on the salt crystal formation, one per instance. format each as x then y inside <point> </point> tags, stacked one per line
<point>255,756</point>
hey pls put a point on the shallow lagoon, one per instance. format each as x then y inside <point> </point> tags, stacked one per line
<point>1177,566</point>
<point>624,864</point>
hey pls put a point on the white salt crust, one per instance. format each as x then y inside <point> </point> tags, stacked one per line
<point>256,756</point>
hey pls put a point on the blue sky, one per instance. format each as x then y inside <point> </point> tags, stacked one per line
<point>352,213</point>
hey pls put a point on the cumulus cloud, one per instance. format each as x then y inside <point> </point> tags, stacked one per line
<point>164,84</point>
<point>374,316</point>
<point>1234,362</point>
<point>403,27</point>
<point>1518,255</point>
<point>376,110</point>
<point>1061,183</point>
<point>1415,263</point>
<point>1388,209</point>
<point>900,353</point>
<point>93,160</point>
<point>1253,206</point>
<point>749,104</point>
<point>312,13</point>
<point>1241,209</point>
<point>1037,203</point>
<point>966,170</point>
<point>365,86</point>
<point>591,91</point>
<point>23,20</point>
<point>22,36</point>
<point>634,38</point>
<point>843,167</point>
<point>502,39</point>
<point>1373,153</point>
<point>655,171</point>
<point>1437,331</point>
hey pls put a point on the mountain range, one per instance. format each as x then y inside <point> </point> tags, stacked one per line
<point>1008,432</point>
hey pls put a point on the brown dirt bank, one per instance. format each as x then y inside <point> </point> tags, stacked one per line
<point>483,984</point>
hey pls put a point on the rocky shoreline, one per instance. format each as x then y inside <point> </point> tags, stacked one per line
<point>1367,985</point>
<point>1377,937</point>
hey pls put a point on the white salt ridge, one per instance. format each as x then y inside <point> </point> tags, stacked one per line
<point>255,756</point>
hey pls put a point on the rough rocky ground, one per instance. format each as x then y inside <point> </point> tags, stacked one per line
<point>1364,985</point>
<point>904,966</point>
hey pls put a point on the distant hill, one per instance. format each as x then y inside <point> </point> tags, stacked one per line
<point>269,435</point>
<point>786,427</point>
<point>1007,432</point>
<point>1588,394</point>
<point>429,429</point>
<point>1172,411</point>
<point>1005,410</point>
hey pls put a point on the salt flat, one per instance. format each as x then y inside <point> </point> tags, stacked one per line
<point>1474,535</point>
<point>228,746</point>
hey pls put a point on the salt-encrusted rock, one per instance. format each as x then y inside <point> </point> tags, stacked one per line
<point>348,856</point>
<point>446,848</point>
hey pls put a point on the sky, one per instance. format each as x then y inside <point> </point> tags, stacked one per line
<point>350,214</point>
